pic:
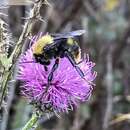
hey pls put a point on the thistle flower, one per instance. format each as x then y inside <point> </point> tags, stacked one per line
<point>67,88</point>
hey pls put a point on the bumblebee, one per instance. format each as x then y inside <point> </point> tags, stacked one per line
<point>56,46</point>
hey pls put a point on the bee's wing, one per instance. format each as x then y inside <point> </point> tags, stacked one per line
<point>68,34</point>
<point>76,33</point>
<point>61,36</point>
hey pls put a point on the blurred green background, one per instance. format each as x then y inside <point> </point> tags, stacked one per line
<point>107,41</point>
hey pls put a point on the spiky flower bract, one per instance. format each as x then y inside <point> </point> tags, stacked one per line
<point>67,88</point>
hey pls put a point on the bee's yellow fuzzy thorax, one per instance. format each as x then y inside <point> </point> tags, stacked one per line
<point>41,43</point>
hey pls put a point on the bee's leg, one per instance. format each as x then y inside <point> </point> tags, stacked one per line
<point>74,64</point>
<point>50,77</point>
<point>84,59</point>
<point>79,62</point>
<point>45,67</point>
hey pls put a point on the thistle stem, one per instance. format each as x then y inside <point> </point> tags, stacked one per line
<point>10,63</point>
<point>31,122</point>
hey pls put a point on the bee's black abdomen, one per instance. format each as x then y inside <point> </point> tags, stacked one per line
<point>45,62</point>
<point>40,59</point>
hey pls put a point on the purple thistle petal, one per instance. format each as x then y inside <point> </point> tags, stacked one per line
<point>67,89</point>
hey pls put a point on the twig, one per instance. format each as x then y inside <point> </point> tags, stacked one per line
<point>30,124</point>
<point>109,84</point>
<point>77,123</point>
<point>9,103</point>
<point>121,46</point>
